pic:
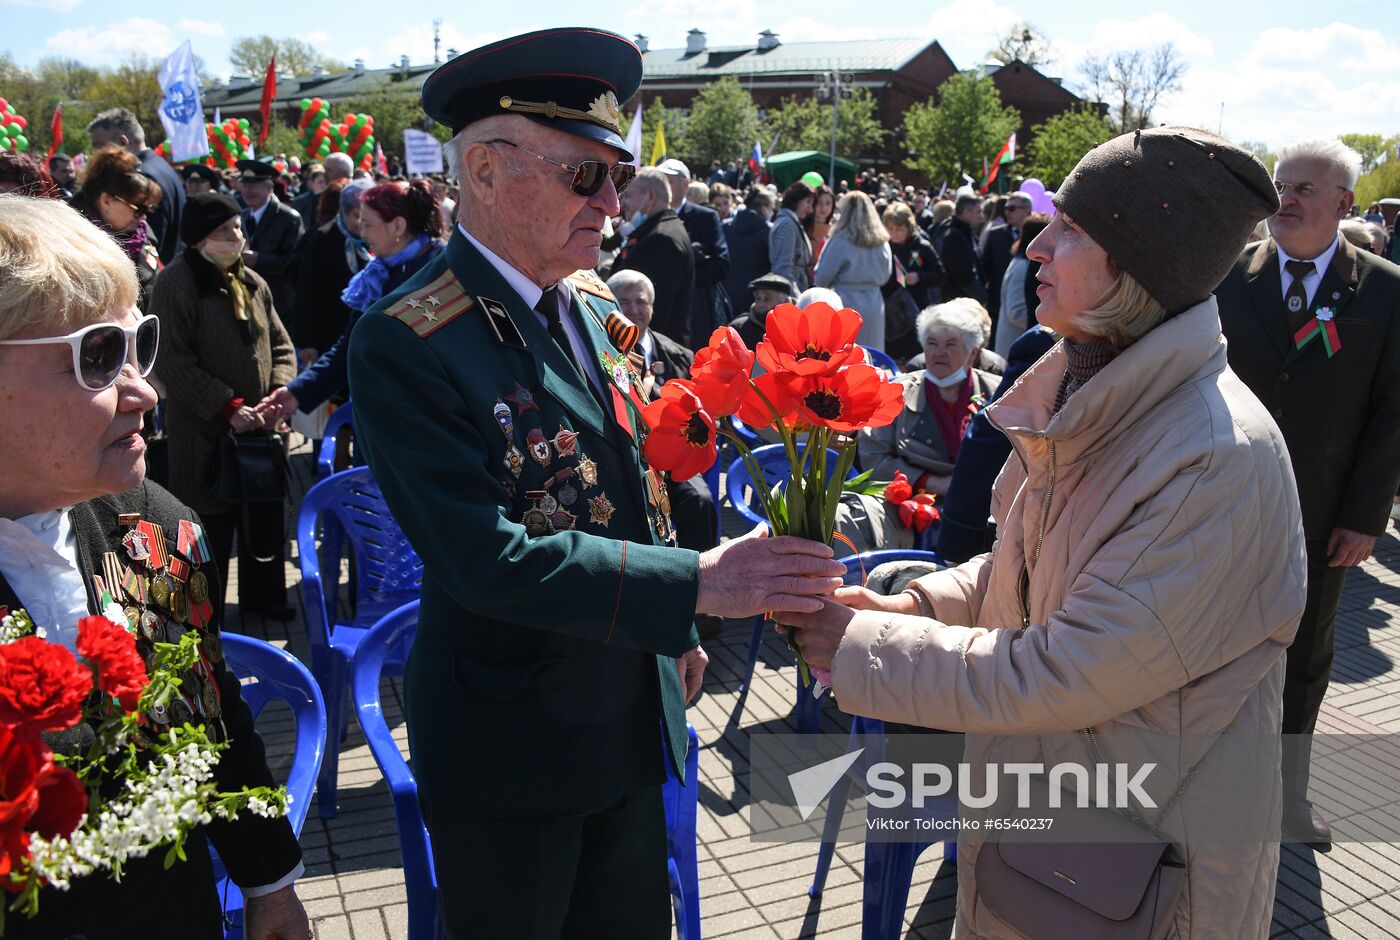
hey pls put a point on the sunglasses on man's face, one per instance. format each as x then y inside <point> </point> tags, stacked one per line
<point>102,349</point>
<point>589,175</point>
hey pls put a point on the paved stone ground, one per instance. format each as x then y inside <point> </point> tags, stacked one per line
<point>353,886</point>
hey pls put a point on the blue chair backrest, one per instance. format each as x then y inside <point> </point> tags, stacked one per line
<point>388,571</point>
<point>387,644</point>
<point>339,420</point>
<point>773,463</point>
<point>280,676</point>
<point>880,359</point>
<point>858,567</point>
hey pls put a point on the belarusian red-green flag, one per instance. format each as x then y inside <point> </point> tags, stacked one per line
<point>1005,155</point>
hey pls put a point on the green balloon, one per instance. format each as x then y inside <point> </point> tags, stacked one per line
<point>813,179</point>
<point>21,142</point>
<point>243,124</point>
<point>360,120</point>
<point>305,103</point>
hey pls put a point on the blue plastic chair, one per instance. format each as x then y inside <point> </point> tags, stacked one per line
<point>340,420</point>
<point>278,676</point>
<point>388,574</point>
<point>773,462</point>
<point>384,649</point>
<point>881,359</point>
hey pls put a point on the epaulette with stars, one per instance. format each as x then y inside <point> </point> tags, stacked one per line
<point>589,282</point>
<point>432,306</point>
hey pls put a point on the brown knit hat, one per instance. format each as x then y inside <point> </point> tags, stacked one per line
<point>1172,206</point>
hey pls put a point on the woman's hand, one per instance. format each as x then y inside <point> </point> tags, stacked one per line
<point>245,419</point>
<point>860,598</point>
<point>818,635</point>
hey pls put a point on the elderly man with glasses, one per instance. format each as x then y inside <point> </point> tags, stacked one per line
<point>1313,328</point>
<point>495,402</point>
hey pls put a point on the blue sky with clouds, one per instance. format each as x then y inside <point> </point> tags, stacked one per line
<point>1282,71</point>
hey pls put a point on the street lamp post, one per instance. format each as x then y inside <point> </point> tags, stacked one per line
<point>834,86</point>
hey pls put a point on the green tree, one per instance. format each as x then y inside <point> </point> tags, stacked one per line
<point>1373,148</point>
<point>967,125</point>
<point>1056,145</point>
<point>673,119</point>
<point>805,124</point>
<point>1381,182</point>
<point>132,85</point>
<point>249,56</point>
<point>1262,151</point>
<point>723,124</point>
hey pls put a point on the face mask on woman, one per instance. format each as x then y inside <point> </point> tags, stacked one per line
<point>222,254</point>
<point>954,379</point>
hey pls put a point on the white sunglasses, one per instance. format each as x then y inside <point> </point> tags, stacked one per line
<point>100,350</point>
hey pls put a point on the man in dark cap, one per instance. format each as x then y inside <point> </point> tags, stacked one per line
<point>273,230</point>
<point>1313,327</point>
<point>199,179</point>
<point>494,401</point>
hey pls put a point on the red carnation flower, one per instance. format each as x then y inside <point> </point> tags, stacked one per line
<point>63,801</point>
<point>42,686</point>
<point>814,341</point>
<point>899,489</point>
<point>682,438</point>
<point>721,372</point>
<point>21,758</point>
<point>854,398</point>
<point>121,673</point>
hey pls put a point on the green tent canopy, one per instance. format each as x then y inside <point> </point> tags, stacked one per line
<point>787,168</point>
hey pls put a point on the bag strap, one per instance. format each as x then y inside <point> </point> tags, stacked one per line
<point>1091,744</point>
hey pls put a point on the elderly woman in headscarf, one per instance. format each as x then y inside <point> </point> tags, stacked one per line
<point>74,356</point>
<point>223,348</point>
<point>1149,570</point>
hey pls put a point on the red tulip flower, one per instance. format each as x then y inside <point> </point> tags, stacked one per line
<point>682,438</point>
<point>899,489</point>
<point>721,372</point>
<point>814,341</point>
<point>854,398</point>
<point>754,411</point>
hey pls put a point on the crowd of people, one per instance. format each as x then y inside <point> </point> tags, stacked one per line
<point>1164,392</point>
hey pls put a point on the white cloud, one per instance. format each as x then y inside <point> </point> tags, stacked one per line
<point>968,29</point>
<point>108,44</point>
<point>318,37</point>
<point>58,6</point>
<point>199,27</point>
<point>1334,46</point>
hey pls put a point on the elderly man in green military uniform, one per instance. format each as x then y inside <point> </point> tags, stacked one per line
<point>556,648</point>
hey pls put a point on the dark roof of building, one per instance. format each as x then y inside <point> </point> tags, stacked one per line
<point>336,87</point>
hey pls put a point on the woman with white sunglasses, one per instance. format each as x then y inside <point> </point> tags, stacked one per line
<point>74,356</point>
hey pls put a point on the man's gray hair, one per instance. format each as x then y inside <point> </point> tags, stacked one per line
<point>1021,195</point>
<point>650,179</point>
<point>953,315</point>
<point>339,166</point>
<point>119,121</point>
<point>1337,156</point>
<point>819,295</point>
<point>628,279</point>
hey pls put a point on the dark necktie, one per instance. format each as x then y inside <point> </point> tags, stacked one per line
<point>1296,300</point>
<point>252,225</point>
<point>548,307</point>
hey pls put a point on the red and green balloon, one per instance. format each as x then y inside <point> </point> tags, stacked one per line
<point>12,129</point>
<point>320,137</point>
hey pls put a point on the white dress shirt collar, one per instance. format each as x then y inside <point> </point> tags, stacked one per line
<point>529,291</point>
<point>1312,281</point>
<point>39,560</point>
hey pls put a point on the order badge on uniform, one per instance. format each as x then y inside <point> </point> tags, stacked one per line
<point>538,447</point>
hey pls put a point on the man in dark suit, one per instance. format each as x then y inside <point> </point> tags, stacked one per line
<point>1313,328</point>
<point>119,127</point>
<point>659,247</point>
<point>996,248</point>
<point>499,419</point>
<point>710,304</point>
<point>338,166</point>
<point>273,230</point>
<point>958,251</point>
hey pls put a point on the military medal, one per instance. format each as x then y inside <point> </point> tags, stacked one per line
<point>160,591</point>
<point>133,617</point>
<point>150,625</point>
<point>214,646</point>
<point>515,460</point>
<point>600,510</point>
<point>199,587</point>
<point>179,604</point>
<point>568,495</point>
<point>209,696</point>
<point>548,504</point>
<point>562,520</point>
<point>565,442</point>
<point>160,715</point>
<point>617,368</point>
<point>503,418</point>
<point>128,518</point>
<point>174,630</point>
<point>191,542</point>
<point>155,538</point>
<point>180,712</point>
<point>523,398</point>
<point>538,447</point>
<point>588,471</point>
<point>536,520</point>
<point>137,545</point>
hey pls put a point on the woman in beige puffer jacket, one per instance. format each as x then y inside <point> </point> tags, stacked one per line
<point>1149,571</point>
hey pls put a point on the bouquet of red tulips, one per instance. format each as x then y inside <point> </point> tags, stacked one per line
<point>816,382</point>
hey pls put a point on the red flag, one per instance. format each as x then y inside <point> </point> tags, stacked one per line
<point>269,91</point>
<point>380,164</point>
<point>55,133</point>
